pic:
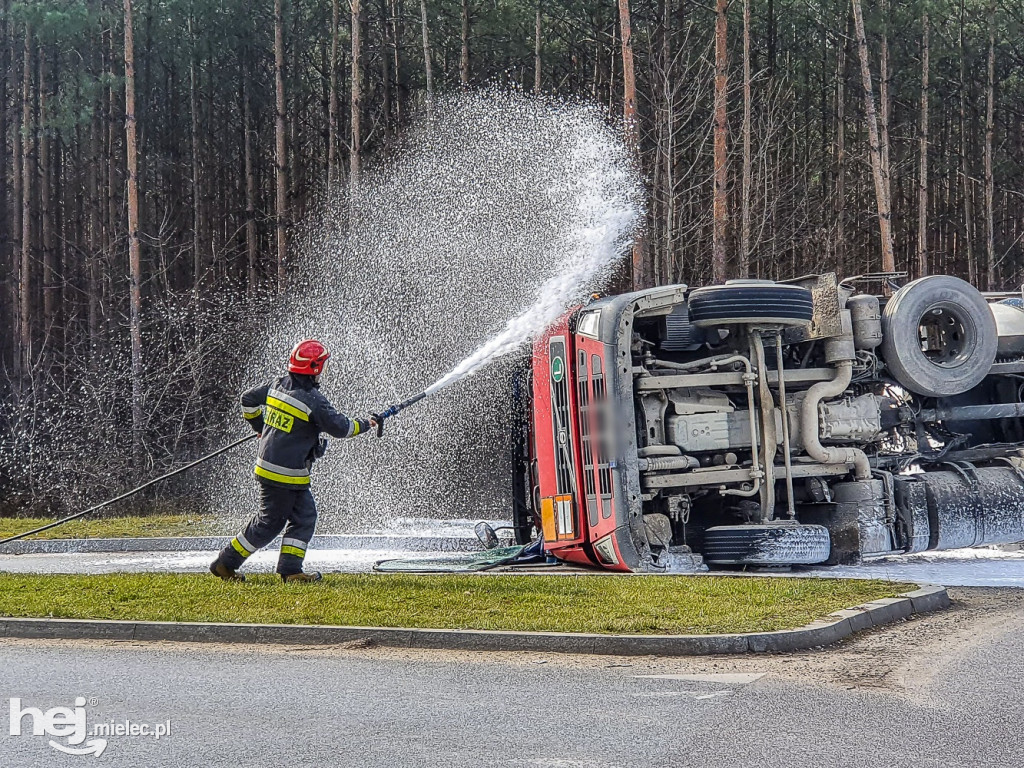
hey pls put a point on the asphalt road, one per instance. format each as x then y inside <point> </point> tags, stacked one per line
<point>942,690</point>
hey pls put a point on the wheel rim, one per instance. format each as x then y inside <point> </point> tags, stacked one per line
<point>946,334</point>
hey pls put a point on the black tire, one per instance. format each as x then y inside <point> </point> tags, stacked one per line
<point>750,302</point>
<point>961,332</point>
<point>784,544</point>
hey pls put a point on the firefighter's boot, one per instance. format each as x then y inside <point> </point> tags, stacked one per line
<point>302,578</point>
<point>217,568</point>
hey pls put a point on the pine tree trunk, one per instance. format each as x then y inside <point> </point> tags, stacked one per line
<point>840,167</point>
<point>612,61</point>
<point>280,147</point>
<point>332,109</point>
<point>134,255</point>
<point>885,105</point>
<point>922,174</point>
<point>720,209</point>
<point>93,280</point>
<point>251,235</point>
<point>427,65</point>
<point>17,229</point>
<point>464,57</point>
<point>293,86</point>
<point>197,202</point>
<point>640,277</point>
<point>965,166</point>
<point>877,168</point>
<point>990,128</point>
<point>28,130</point>
<point>356,117</point>
<point>46,213</point>
<point>397,33</point>
<point>388,95</point>
<point>661,269</point>
<point>6,223</point>
<point>537,50</point>
<point>70,229</point>
<point>111,160</point>
<point>744,260</point>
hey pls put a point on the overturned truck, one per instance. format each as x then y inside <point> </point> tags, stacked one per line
<point>761,423</point>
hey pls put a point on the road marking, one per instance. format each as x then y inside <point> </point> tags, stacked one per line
<point>695,695</point>
<point>726,678</point>
<point>714,695</point>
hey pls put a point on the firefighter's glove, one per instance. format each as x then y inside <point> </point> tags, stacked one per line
<point>363,426</point>
<point>321,447</point>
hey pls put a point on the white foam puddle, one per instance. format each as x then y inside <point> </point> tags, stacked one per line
<point>964,567</point>
<point>328,561</point>
<point>957,567</point>
<point>425,526</point>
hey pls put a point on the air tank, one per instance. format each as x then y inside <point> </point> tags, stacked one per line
<point>866,316</point>
<point>1009,316</point>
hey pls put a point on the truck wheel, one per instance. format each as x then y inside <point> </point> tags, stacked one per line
<point>784,544</point>
<point>750,302</point>
<point>938,336</point>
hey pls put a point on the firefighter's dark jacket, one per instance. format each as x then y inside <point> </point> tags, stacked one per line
<point>290,414</point>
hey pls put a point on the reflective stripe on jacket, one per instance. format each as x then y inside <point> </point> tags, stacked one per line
<point>290,414</point>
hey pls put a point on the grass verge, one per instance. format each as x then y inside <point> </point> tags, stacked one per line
<point>586,603</point>
<point>112,527</point>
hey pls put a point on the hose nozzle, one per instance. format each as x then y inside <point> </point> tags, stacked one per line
<point>394,410</point>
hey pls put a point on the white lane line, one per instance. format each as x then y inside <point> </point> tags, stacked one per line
<point>714,695</point>
<point>726,678</point>
<point>695,695</point>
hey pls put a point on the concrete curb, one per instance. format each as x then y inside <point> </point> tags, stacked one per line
<point>836,627</point>
<point>395,542</point>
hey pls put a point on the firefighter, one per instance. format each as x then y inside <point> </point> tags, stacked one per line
<point>289,416</point>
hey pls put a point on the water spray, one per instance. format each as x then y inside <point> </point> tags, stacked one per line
<point>482,226</point>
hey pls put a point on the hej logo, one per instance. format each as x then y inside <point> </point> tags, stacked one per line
<point>70,724</point>
<point>58,723</point>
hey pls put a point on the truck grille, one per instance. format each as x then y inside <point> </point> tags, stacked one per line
<point>592,405</point>
<point>583,405</point>
<point>561,422</point>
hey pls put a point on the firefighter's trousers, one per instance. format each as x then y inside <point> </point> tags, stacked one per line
<point>290,510</point>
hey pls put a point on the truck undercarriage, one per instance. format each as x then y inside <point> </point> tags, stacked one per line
<point>763,423</point>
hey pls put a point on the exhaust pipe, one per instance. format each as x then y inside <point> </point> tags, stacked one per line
<point>810,428</point>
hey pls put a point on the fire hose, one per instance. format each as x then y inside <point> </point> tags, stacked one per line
<point>132,492</point>
<point>387,413</point>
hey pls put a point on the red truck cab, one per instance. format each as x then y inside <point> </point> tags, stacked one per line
<point>586,490</point>
<point>774,424</point>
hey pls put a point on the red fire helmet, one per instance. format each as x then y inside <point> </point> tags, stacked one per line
<point>308,357</point>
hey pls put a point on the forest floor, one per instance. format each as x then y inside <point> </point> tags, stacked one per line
<point>123,527</point>
<point>589,603</point>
